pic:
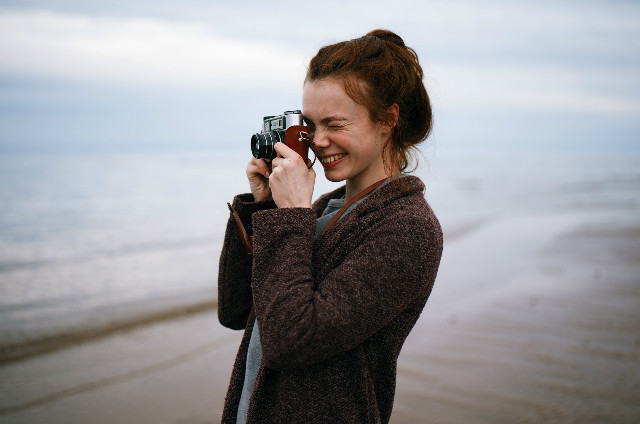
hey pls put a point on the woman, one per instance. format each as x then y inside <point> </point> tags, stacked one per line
<point>326,307</point>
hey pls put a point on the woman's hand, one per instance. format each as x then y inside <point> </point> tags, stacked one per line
<point>291,182</point>
<point>258,172</point>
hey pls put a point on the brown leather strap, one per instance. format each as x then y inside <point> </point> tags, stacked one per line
<point>246,240</point>
<point>354,199</point>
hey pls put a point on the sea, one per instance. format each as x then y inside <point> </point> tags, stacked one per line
<point>93,243</point>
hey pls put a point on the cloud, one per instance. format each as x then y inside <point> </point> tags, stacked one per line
<point>138,51</point>
<point>573,65</point>
<point>534,87</point>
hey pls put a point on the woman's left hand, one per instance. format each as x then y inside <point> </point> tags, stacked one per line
<point>291,182</point>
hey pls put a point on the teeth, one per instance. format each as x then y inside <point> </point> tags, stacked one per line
<point>333,158</point>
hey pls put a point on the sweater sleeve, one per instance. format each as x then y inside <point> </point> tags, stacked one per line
<point>234,272</point>
<point>303,322</point>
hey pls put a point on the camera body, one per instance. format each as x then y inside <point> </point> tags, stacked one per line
<point>287,128</point>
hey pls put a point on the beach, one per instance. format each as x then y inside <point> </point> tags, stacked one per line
<point>534,317</point>
<point>126,129</point>
<point>557,341</point>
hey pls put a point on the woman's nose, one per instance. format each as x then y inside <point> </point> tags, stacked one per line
<point>320,139</point>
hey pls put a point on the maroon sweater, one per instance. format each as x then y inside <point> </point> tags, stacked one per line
<point>333,313</point>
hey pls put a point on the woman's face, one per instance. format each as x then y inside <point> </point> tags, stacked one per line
<point>348,144</point>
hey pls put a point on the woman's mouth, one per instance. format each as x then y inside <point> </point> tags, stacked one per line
<point>332,159</point>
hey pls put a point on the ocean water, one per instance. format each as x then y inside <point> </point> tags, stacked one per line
<point>94,243</point>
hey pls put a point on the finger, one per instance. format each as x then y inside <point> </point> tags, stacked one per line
<point>276,162</point>
<point>285,151</point>
<point>265,167</point>
<point>259,166</point>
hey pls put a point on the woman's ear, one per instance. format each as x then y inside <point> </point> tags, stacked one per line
<point>392,114</point>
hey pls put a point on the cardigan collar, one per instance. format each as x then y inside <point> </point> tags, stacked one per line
<point>399,187</point>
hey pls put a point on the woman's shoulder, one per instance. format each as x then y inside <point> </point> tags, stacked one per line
<point>402,198</point>
<point>403,201</point>
<point>398,194</point>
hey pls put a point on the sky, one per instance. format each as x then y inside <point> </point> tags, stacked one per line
<point>199,75</point>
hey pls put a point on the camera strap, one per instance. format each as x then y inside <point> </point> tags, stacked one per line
<point>247,240</point>
<point>354,199</point>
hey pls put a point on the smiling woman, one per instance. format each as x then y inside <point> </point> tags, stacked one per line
<point>331,290</point>
<point>348,143</point>
<point>387,82</point>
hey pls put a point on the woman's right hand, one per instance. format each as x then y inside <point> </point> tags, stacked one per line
<point>258,172</point>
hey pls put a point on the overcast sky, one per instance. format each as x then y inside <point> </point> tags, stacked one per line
<point>112,75</point>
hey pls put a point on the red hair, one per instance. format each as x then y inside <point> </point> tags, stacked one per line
<point>379,71</point>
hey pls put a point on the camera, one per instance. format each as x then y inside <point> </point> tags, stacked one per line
<point>287,128</point>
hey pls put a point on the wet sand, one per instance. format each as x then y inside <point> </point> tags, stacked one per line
<point>534,318</point>
<point>555,338</point>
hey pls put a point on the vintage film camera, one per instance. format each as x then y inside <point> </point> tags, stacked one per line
<point>288,129</point>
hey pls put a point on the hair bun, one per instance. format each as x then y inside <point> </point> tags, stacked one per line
<point>387,36</point>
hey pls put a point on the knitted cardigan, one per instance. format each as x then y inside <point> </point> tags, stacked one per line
<point>333,313</point>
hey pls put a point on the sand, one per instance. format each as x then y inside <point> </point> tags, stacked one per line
<point>534,318</point>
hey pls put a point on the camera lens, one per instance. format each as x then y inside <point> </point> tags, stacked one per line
<point>262,144</point>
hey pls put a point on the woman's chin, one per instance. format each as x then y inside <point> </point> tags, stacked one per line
<point>333,176</point>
